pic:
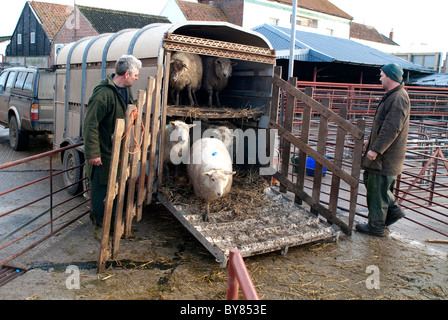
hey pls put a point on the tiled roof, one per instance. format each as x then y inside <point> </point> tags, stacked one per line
<point>323,6</point>
<point>111,21</point>
<point>364,32</point>
<point>51,15</point>
<point>201,12</point>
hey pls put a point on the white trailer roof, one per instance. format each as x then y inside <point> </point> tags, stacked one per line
<point>146,42</point>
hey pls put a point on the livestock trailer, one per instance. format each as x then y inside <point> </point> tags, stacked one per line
<point>246,103</point>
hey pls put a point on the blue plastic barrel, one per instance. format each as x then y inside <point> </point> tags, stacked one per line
<point>311,165</point>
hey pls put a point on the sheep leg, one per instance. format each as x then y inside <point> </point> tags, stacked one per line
<point>176,173</point>
<point>205,215</point>
<point>177,97</point>
<point>195,98</point>
<point>167,173</point>
<point>210,97</point>
<point>218,103</point>
<point>190,96</point>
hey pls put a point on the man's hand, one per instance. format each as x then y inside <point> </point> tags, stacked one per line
<point>371,155</point>
<point>95,161</point>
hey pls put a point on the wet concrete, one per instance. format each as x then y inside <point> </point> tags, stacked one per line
<point>164,261</point>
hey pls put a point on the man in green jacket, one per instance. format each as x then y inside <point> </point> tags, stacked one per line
<point>108,102</point>
<point>385,153</point>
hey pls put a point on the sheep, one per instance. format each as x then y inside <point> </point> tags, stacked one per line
<point>185,72</point>
<point>216,77</point>
<point>221,132</point>
<point>210,171</point>
<point>177,144</point>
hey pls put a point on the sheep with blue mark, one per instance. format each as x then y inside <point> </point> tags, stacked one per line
<point>210,171</point>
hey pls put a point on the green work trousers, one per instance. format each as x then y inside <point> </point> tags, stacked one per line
<point>381,202</point>
<point>98,193</point>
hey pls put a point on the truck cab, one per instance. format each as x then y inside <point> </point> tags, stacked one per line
<point>26,103</point>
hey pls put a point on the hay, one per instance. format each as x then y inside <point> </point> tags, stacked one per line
<point>247,192</point>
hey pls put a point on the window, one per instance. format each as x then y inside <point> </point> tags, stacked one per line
<point>29,82</point>
<point>3,78</point>
<point>33,37</point>
<point>273,21</point>
<point>20,80</point>
<point>306,22</point>
<point>11,78</point>
<point>19,38</point>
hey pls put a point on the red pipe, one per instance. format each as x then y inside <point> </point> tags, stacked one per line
<point>239,276</point>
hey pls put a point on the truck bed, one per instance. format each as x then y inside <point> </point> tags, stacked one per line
<point>272,222</point>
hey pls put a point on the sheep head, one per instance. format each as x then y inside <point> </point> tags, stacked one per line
<point>217,180</point>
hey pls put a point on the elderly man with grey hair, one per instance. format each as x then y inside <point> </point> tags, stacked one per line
<point>108,102</point>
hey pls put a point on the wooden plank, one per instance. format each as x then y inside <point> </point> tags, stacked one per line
<point>338,155</point>
<point>315,205</point>
<point>110,196</point>
<point>321,148</point>
<point>314,154</point>
<point>144,156</point>
<point>288,125</point>
<point>356,171</point>
<point>163,116</point>
<point>304,136</point>
<point>275,101</point>
<point>155,127</point>
<point>134,160</point>
<point>316,106</point>
<point>123,177</point>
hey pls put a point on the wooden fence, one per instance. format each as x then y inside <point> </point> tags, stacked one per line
<point>345,131</point>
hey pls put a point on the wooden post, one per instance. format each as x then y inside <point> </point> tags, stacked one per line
<point>110,196</point>
<point>134,160</point>
<point>144,156</point>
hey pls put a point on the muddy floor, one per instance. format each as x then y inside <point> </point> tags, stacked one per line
<point>165,262</point>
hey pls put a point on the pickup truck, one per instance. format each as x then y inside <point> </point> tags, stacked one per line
<point>26,103</point>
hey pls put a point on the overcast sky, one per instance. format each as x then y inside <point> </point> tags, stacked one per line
<point>414,22</point>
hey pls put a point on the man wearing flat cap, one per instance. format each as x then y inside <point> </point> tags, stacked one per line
<point>384,153</point>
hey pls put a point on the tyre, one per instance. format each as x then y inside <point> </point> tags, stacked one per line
<point>72,178</point>
<point>18,140</point>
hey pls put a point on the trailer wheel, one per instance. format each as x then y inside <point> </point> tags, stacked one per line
<point>18,140</point>
<point>72,178</point>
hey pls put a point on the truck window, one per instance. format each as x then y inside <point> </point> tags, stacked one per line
<point>29,82</point>
<point>3,78</point>
<point>20,80</point>
<point>46,85</point>
<point>10,81</point>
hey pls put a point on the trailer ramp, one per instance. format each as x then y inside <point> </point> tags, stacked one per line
<point>276,225</point>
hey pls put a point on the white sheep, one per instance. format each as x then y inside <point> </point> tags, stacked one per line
<point>185,72</point>
<point>210,170</point>
<point>221,132</point>
<point>177,144</point>
<point>217,72</point>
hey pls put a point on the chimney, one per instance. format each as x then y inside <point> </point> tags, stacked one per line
<point>391,34</point>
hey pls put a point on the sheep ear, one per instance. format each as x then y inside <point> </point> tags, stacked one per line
<point>233,63</point>
<point>207,173</point>
<point>191,125</point>
<point>229,173</point>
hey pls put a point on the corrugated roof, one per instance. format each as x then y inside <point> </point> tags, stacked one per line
<point>51,15</point>
<point>315,47</point>
<point>111,21</point>
<point>431,80</point>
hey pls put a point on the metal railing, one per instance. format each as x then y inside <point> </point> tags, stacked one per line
<point>41,210</point>
<point>238,276</point>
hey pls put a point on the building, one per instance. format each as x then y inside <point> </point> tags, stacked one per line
<point>319,16</point>
<point>44,28</point>
<point>32,39</point>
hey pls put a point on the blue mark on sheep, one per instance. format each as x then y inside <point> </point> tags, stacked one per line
<point>214,153</point>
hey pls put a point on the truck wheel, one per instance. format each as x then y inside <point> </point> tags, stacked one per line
<point>18,140</point>
<point>72,178</point>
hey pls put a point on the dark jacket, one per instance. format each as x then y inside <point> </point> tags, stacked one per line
<point>105,106</point>
<point>389,133</point>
